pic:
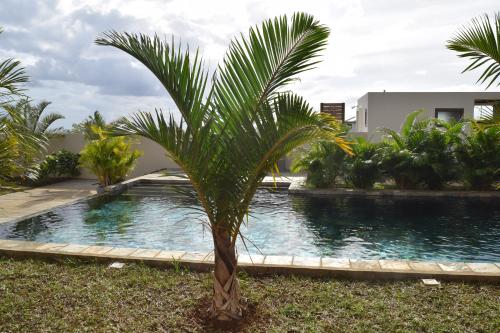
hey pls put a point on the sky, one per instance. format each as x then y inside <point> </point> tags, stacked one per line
<point>374,45</point>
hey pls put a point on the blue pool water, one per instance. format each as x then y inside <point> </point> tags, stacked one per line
<point>370,228</point>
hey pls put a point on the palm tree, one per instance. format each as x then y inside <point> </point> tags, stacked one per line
<point>91,125</point>
<point>481,43</point>
<point>12,75</point>
<point>33,118</point>
<point>233,132</point>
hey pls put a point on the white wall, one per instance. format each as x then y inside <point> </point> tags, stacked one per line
<point>389,109</point>
<point>153,158</point>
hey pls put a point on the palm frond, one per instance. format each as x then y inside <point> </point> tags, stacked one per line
<point>480,41</point>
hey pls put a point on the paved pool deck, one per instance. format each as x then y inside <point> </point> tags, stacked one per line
<point>21,205</point>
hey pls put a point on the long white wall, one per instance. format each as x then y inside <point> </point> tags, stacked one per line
<point>389,109</point>
<point>153,158</point>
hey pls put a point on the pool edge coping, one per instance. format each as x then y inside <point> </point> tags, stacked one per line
<point>268,264</point>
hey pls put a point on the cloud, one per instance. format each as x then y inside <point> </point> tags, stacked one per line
<point>374,45</point>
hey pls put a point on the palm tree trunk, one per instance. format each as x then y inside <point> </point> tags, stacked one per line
<point>226,303</point>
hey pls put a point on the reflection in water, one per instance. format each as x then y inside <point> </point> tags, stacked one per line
<point>158,217</point>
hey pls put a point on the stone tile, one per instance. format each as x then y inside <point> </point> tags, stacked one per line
<point>278,260</point>
<point>144,253</point>
<point>171,255</point>
<point>307,261</point>
<point>425,266</point>
<point>335,263</point>
<point>97,249</point>
<point>254,259</point>
<point>51,246</point>
<point>480,267</point>
<point>73,248</point>
<point>9,244</point>
<point>197,256</point>
<point>365,265</point>
<point>454,267</point>
<point>121,252</point>
<point>394,265</point>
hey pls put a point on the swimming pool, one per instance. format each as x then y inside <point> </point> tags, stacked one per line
<point>157,216</point>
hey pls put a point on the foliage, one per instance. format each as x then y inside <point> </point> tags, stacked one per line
<point>324,163</point>
<point>59,164</point>
<point>18,146</point>
<point>87,125</point>
<point>109,158</point>
<point>12,76</point>
<point>422,153</point>
<point>479,157</point>
<point>232,133</point>
<point>361,169</point>
<point>480,42</point>
<point>33,118</point>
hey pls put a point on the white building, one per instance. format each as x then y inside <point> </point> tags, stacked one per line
<point>376,110</point>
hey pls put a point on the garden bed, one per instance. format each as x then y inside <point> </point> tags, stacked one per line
<point>74,296</point>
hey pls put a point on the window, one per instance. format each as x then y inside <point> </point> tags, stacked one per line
<point>448,115</point>
<point>366,117</point>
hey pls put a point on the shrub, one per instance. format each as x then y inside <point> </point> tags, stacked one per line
<point>361,169</point>
<point>479,157</point>
<point>421,154</point>
<point>59,164</point>
<point>109,158</point>
<point>323,162</point>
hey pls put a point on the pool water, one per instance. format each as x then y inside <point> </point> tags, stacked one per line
<point>160,217</point>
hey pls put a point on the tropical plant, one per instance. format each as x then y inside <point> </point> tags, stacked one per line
<point>422,153</point>
<point>323,161</point>
<point>16,143</point>
<point>87,126</point>
<point>109,158</point>
<point>481,43</point>
<point>232,133</point>
<point>12,76</point>
<point>361,168</point>
<point>32,118</point>
<point>479,156</point>
<point>59,164</point>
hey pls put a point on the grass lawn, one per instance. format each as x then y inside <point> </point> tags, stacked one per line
<point>74,296</point>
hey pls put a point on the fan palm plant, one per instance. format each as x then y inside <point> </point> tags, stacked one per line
<point>231,133</point>
<point>481,43</point>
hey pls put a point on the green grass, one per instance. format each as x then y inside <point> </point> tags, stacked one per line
<point>38,296</point>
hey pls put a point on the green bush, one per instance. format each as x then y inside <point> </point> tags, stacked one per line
<point>421,154</point>
<point>361,169</point>
<point>479,157</point>
<point>323,162</point>
<point>109,158</point>
<point>59,164</point>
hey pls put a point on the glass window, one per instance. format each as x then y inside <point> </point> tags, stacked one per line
<point>449,114</point>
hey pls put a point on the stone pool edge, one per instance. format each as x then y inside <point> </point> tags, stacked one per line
<point>260,264</point>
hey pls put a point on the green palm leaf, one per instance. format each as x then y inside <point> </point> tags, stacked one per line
<point>480,41</point>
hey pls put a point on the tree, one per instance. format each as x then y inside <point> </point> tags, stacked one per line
<point>87,126</point>
<point>33,118</point>
<point>233,132</point>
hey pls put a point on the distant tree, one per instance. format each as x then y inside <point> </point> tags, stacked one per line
<point>32,117</point>
<point>92,123</point>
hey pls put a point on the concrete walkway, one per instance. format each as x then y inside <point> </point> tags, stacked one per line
<point>34,201</point>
